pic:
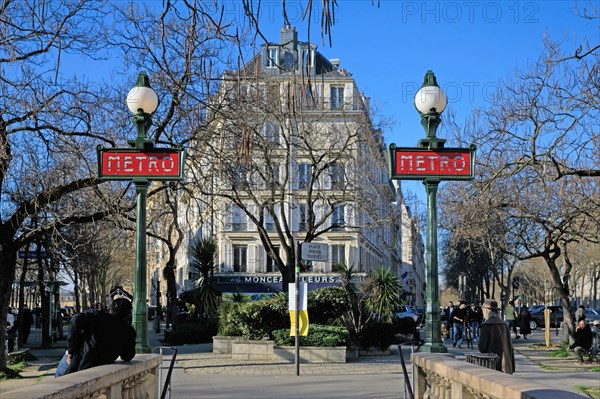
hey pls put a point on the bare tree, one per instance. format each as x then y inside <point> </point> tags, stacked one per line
<point>537,158</point>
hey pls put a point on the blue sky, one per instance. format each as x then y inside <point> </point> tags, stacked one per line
<point>470,45</point>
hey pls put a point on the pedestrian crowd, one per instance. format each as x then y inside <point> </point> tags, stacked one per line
<point>491,330</point>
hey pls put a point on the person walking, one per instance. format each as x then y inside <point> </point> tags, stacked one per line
<point>494,337</point>
<point>510,315</point>
<point>525,322</point>
<point>459,315</point>
<point>98,338</point>
<point>475,317</point>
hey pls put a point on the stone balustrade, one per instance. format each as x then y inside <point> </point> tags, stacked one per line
<point>442,376</point>
<point>136,379</point>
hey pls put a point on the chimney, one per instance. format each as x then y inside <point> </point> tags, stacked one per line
<point>289,36</point>
<point>335,62</point>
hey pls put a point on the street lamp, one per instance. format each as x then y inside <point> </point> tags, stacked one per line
<point>430,102</point>
<point>142,101</point>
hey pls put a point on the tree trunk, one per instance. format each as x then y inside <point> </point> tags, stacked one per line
<point>22,297</point>
<point>563,292</point>
<point>8,262</point>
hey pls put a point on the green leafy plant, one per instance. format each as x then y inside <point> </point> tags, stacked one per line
<point>384,295</point>
<point>327,305</point>
<point>254,320</point>
<point>318,335</point>
<point>561,352</point>
<point>202,260</point>
<point>15,364</point>
<point>229,321</point>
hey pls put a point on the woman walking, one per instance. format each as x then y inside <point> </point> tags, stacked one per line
<point>525,322</point>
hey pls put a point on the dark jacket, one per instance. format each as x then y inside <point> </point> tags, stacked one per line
<point>583,338</point>
<point>524,321</point>
<point>475,315</point>
<point>494,337</point>
<point>448,314</point>
<point>98,338</point>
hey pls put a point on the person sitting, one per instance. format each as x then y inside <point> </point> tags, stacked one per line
<point>583,340</point>
<point>98,338</point>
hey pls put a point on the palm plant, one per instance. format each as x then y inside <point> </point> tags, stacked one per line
<point>384,294</point>
<point>202,261</point>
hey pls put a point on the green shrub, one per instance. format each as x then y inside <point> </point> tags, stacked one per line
<point>229,319</point>
<point>318,335</point>
<point>254,320</point>
<point>192,332</point>
<point>259,319</point>
<point>376,335</point>
<point>327,305</point>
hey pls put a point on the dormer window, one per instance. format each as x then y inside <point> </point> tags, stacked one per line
<point>272,57</point>
<point>308,57</point>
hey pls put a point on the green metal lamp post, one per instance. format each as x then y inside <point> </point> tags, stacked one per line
<point>430,102</point>
<point>142,101</point>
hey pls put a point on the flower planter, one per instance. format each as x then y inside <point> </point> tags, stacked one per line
<point>312,354</point>
<point>252,350</point>
<point>222,343</point>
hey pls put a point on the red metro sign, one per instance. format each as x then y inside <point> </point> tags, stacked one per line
<point>440,164</point>
<point>131,163</point>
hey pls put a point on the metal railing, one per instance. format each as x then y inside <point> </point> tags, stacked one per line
<point>166,386</point>
<point>407,384</point>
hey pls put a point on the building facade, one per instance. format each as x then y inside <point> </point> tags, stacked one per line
<point>288,155</point>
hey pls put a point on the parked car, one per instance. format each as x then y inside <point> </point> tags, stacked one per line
<point>421,313</point>
<point>592,314</point>
<point>407,311</point>
<point>556,316</point>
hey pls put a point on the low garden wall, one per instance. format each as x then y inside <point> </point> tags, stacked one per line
<point>312,354</point>
<point>241,349</point>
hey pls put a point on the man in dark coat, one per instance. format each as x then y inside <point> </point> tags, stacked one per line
<point>98,338</point>
<point>494,337</point>
<point>583,340</point>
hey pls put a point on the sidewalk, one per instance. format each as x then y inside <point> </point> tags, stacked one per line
<point>200,373</point>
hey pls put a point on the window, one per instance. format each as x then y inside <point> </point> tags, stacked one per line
<point>272,133</point>
<point>302,217</point>
<point>240,255</point>
<point>239,178</point>
<point>338,257</point>
<point>269,222</point>
<point>303,175</point>
<point>337,97</point>
<point>308,57</point>
<point>272,57</point>
<point>271,266</point>
<point>337,173</point>
<point>338,217</point>
<point>237,219</point>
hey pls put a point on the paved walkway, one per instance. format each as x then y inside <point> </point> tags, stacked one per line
<point>199,373</point>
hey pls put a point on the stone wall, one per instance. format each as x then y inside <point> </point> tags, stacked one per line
<point>441,376</point>
<point>137,379</point>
